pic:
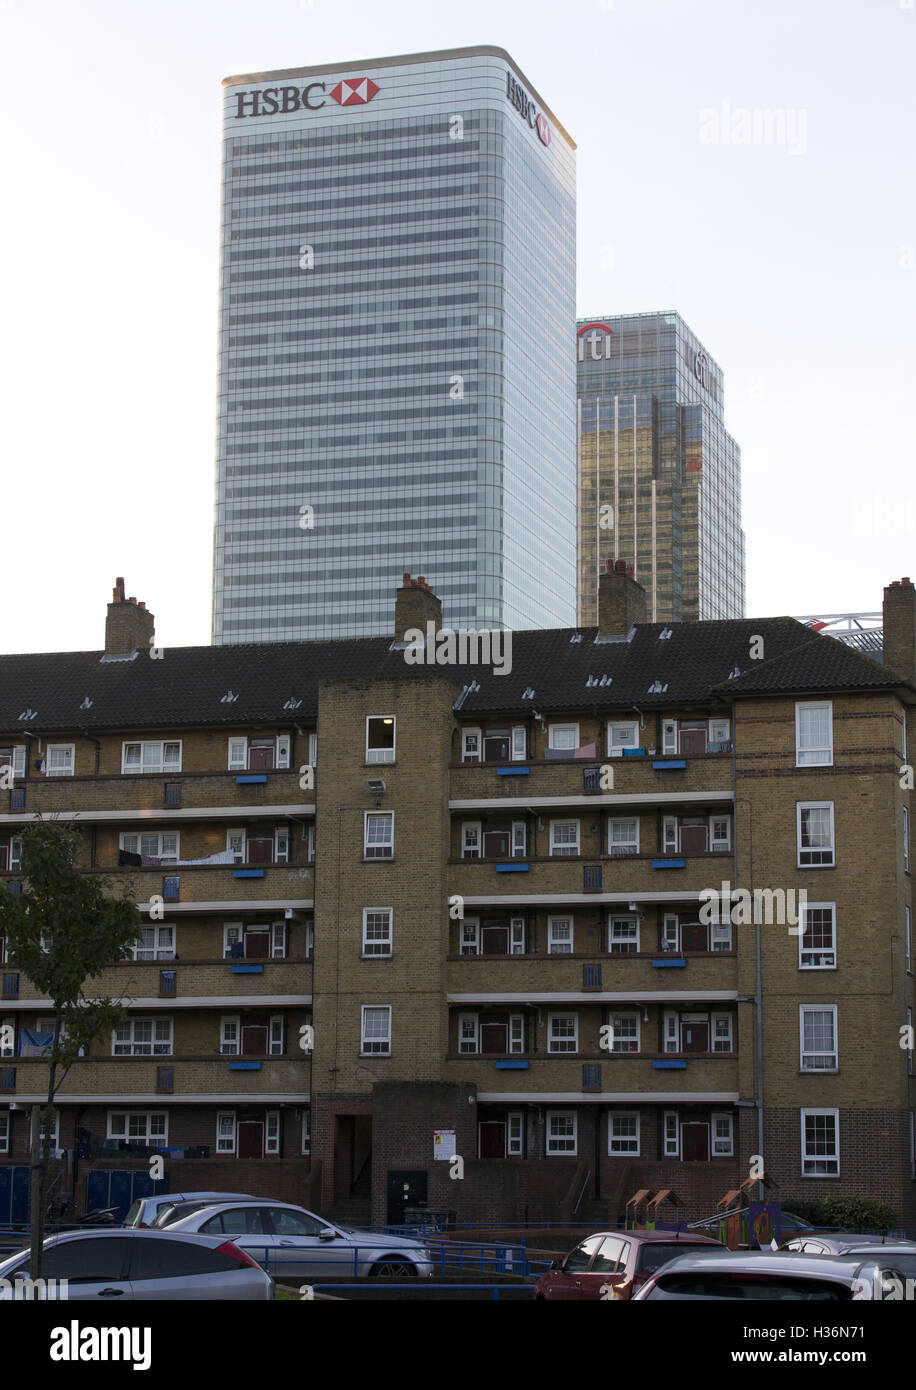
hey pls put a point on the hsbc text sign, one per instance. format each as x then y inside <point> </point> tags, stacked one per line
<point>527,109</point>
<point>351,91</point>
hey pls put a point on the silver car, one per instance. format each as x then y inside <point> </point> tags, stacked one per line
<point>119,1265</point>
<point>144,1210</point>
<point>292,1242</point>
<point>750,1275</point>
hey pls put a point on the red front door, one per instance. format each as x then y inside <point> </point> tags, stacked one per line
<point>693,741</point>
<point>695,1142</point>
<point>251,1138</point>
<point>496,844</point>
<point>254,1040</point>
<point>257,944</point>
<point>693,836</point>
<point>693,936</point>
<point>260,849</point>
<point>494,1038</point>
<point>492,1138</point>
<point>695,1037</point>
<point>495,939</point>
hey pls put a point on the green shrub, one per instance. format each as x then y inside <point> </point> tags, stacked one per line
<point>858,1214</point>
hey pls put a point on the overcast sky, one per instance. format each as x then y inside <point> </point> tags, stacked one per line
<point>794,261</point>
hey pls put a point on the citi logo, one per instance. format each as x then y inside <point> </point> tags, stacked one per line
<point>351,91</point>
<point>591,333</point>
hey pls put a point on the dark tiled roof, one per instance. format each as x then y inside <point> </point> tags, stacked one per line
<point>188,686</point>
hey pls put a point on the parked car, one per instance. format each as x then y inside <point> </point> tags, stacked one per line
<point>125,1264</point>
<point>143,1211</point>
<point>613,1264</point>
<point>739,1275</point>
<point>291,1241</point>
<point>900,1253</point>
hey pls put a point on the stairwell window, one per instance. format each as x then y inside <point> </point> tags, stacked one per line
<point>814,733</point>
<point>818,1037</point>
<point>151,756</point>
<point>378,840</point>
<point>820,1136</point>
<point>375,1032</point>
<point>380,738</point>
<point>377,931</point>
<point>623,1132</point>
<point>817,942</point>
<point>815,834</point>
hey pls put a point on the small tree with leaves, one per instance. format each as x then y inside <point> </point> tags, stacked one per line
<point>62,930</point>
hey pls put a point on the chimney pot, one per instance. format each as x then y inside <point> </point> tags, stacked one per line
<point>415,605</point>
<point>621,600</point>
<point>129,625</point>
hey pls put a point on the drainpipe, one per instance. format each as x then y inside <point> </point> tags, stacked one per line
<point>758,982</point>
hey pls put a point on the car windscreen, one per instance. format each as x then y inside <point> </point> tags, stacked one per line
<point>167,1216</point>
<point>653,1254</point>
<point>769,1287</point>
<point>133,1211</point>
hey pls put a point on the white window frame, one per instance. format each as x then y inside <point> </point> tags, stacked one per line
<point>4,1131</point>
<point>469,935</point>
<point>621,849</point>
<point>721,1146</point>
<point>671,932</point>
<point>158,950</point>
<point>230,1035</point>
<point>281,844</point>
<point>69,749</point>
<point>9,1021</point>
<point>17,760</point>
<point>617,920</point>
<point>669,736</point>
<point>728,1019</point>
<point>670,836</point>
<point>570,849</point>
<point>516,1034</point>
<point>376,757</point>
<point>908,939</point>
<point>615,748</point>
<point>671,1031</point>
<point>671,1144</point>
<point>114,1130</point>
<point>305,1133</point>
<point>517,927</point>
<point>614,1141</point>
<point>471,831</point>
<point>801,806</point>
<point>718,844</point>
<point>155,765</point>
<point>554,1144</point>
<point>615,1019</point>
<point>515,1133</point>
<point>129,837</point>
<point>271,1132</point>
<point>519,743</point>
<point>519,839</point>
<point>719,724</point>
<point>806,1160</point>
<point>563,732</point>
<point>278,941</point>
<point>276,1035</point>
<point>804,1056</point>
<point>820,755</point>
<point>15,854</point>
<point>909,1050</point>
<point>365,1042</point>
<point>468,1034</point>
<point>158,1046</point>
<point>371,947</point>
<point>469,736</point>
<point>562,1041</point>
<point>556,945</point>
<point>239,851</point>
<point>238,753</point>
<point>906,840</point>
<point>313,750</point>
<point>368,818</point>
<point>224,1144</point>
<point>720,934</point>
<point>806,953</point>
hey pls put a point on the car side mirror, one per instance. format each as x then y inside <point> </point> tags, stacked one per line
<point>327,1234</point>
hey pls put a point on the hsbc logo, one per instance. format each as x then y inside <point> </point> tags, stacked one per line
<point>351,91</point>
<point>526,108</point>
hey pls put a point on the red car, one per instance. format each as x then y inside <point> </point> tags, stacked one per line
<point>613,1264</point>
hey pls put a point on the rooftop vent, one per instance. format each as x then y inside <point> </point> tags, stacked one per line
<point>665,634</point>
<point>228,699</point>
<point>656,688</point>
<point>292,704</point>
<point>87,703</point>
<point>528,694</point>
<point>576,637</point>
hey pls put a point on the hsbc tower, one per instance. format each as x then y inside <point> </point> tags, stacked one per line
<point>397,382</point>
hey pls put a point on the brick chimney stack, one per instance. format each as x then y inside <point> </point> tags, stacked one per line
<point>415,605</point>
<point>621,600</point>
<point>899,611</point>
<point>129,625</point>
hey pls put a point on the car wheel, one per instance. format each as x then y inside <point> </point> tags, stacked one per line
<point>392,1269</point>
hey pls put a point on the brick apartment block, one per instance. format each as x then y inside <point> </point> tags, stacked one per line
<point>485,900</point>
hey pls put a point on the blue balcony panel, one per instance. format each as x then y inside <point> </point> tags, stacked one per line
<point>665,962</point>
<point>513,772</point>
<point>512,868</point>
<point>669,1066</point>
<point>247,969</point>
<point>256,777</point>
<point>247,873</point>
<point>244,1066</point>
<point>670,763</point>
<point>511,1066</point>
<point>669,863</point>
